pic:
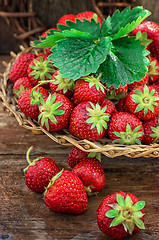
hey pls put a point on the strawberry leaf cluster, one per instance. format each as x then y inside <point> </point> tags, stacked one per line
<point>83,47</point>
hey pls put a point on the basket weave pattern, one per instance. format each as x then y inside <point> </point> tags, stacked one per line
<point>104,145</point>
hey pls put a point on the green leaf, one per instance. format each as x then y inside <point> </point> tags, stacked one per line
<point>125,63</point>
<point>120,200</point>
<point>122,23</point>
<point>91,27</point>
<point>139,223</point>
<point>49,41</point>
<point>76,33</point>
<point>138,206</point>
<point>76,57</point>
<point>116,221</point>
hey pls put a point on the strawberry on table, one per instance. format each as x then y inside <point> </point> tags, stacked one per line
<point>66,194</point>
<point>88,121</point>
<point>125,128</point>
<point>151,129</point>
<point>91,172</point>
<point>120,215</point>
<point>55,112</point>
<point>76,155</point>
<point>20,85</point>
<point>39,172</point>
<point>143,101</point>
<point>29,101</point>
<point>88,88</point>
<point>61,85</point>
<point>20,66</point>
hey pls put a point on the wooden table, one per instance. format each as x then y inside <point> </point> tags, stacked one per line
<point>25,216</point>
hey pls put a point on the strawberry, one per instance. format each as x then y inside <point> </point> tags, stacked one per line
<point>120,215</point>
<point>152,30</point>
<point>143,81</point>
<point>76,155</point>
<point>61,85</point>
<point>153,70</point>
<point>89,15</point>
<point>20,85</point>
<point>88,88</point>
<point>120,105</point>
<point>40,69</point>
<point>110,106</point>
<point>115,94</point>
<point>151,129</point>
<point>39,172</point>
<point>66,194</point>
<point>156,87</point>
<point>88,120</point>
<point>143,101</point>
<point>125,128</point>
<point>67,17</point>
<point>55,112</point>
<point>91,172</point>
<point>20,66</point>
<point>29,101</point>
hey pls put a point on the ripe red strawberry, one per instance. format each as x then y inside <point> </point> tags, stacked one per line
<point>61,85</point>
<point>121,107</point>
<point>55,112</point>
<point>40,69</point>
<point>115,94</point>
<point>143,81</point>
<point>153,70</point>
<point>89,16</point>
<point>88,89</point>
<point>156,87</point>
<point>20,66</point>
<point>152,30</point>
<point>110,106</point>
<point>76,155</point>
<point>120,215</point>
<point>88,120</point>
<point>143,101</point>
<point>151,129</point>
<point>67,17</point>
<point>39,172</point>
<point>29,101</point>
<point>125,128</point>
<point>66,194</point>
<point>20,85</point>
<point>91,172</point>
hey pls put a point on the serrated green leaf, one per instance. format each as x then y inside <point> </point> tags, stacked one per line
<point>77,33</point>
<point>86,26</point>
<point>121,23</point>
<point>125,63</point>
<point>49,41</point>
<point>76,57</point>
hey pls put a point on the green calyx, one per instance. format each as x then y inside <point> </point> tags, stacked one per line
<point>63,83</point>
<point>97,117</point>
<point>114,96</point>
<point>126,213</point>
<point>155,133</point>
<point>41,69</point>
<point>18,92</point>
<point>145,100</point>
<point>28,160</point>
<point>49,109</point>
<point>153,69</point>
<point>129,136</point>
<point>142,37</point>
<point>93,81</point>
<point>35,96</point>
<point>97,155</point>
<point>52,181</point>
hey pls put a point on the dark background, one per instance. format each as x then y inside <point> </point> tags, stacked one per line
<point>49,11</point>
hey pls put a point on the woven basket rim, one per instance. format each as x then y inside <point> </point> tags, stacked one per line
<point>104,145</point>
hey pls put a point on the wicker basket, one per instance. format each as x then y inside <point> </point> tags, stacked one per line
<point>104,145</point>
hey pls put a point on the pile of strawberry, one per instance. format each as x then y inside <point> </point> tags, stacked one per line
<point>68,191</point>
<point>87,107</point>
